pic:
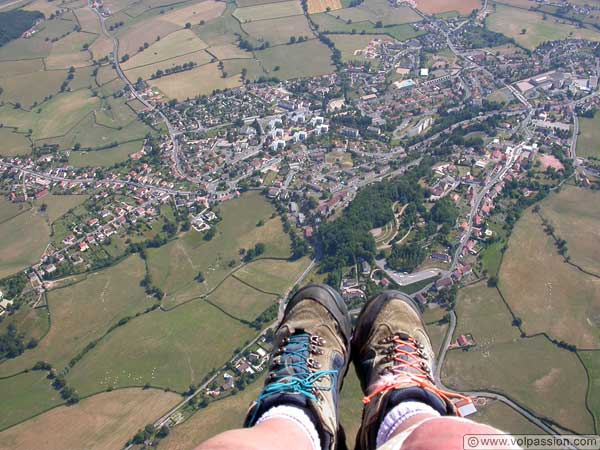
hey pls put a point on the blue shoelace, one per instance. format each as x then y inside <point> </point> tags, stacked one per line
<point>292,375</point>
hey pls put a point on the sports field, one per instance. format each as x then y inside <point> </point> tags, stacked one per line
<point>104,422</point>
<point>539,286</point>
<point>83,312</point>
<point>588,141</point>
<point>549,381</point>
<point>511,21</point>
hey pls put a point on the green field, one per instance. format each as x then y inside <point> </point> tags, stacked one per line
<point>102,422</point>
<point>278,31</point>
<point>165,349</point>
<point>269,11</point>
<point>377,10</point>
<point>511,21</point>
<point>25,395</point>
<point>498,415</point>
<point>307,59</point>
<point>532,371</point>
<point>58,205</point>
<point>174,266</point>
<point>588,141</point>
<point>328,23</point>
<point>349,43</point>
<point>591,360</point>
<point>83,312</point>
<point>106,157</point>
<point>22,241</point>
<point>241,301</point>
<point>13,143</point>
<point>272,275</point>
<point>575,213</point>
<point>539,286</point>
<point>199,81</point>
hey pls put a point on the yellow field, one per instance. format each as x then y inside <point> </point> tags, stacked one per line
<point>229,51</point>
<point>176,44</point>
<point>269,11</point>
<point>200,58</point>
<point>193,14</point>
<point>144,32</point>
<point>317,6</point>
<point>463,7</point>
<point>200,81</point>
<point>102,422</point>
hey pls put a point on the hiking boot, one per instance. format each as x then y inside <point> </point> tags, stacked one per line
<point>394,361</point>
<point>309,361</point>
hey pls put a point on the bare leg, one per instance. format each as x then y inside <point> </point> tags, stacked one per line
<point>273,434</point>
<point>438,433</point>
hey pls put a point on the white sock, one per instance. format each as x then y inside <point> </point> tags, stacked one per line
<point>299,417</point>
<point>398,415</point>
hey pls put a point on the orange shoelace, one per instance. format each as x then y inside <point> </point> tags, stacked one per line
<point>413,358</point>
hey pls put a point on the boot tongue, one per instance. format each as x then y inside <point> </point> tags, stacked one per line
<point>294,360</point>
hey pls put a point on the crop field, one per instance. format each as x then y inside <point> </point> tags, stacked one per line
<point>68,51</point>
<point>550,381</point>
<point>22,241</point>
<point>272,275</point>
<point>253,68</point>
<point>181,42</point>
<point>588,142</point>
<point>43,6</point>
<point>23,396</point>
<point>88,20</point>
<point>199,81</point>
<point>278,31</point>
<point>174,266</point>
<point>13,143</point>
<point>317,6</point>
<point>162,350</point>
<point>8,210</point>
<point>11,68</point>
<point>463,7</point>
<point>511,21</point>
<point>375,10</point>
<point>497,414</point>
<point>575,213</point>
<point>222,30</point>
<point>310,58</point>
<point>268,11</point>
<point>539,286</point>
<point>61,113</point>
<point>206,10</point>
<point>83,312</point>
<point>105,421</point>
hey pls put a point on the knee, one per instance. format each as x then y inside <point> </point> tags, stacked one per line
<point>229,440</point>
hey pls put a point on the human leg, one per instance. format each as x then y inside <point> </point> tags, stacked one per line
<point>297,409</point>
<point>394,361</point>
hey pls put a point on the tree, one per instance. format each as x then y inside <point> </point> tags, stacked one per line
<point>188,25</point>
<point>200,277</point>
<point>379,24</point>
<point>523,30</point>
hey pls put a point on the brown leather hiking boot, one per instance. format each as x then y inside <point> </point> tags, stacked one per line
<point>309,361</point>
<point>394,361</point>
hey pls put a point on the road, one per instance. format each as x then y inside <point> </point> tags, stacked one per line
<point>405,280</point>
<point>173,133</point>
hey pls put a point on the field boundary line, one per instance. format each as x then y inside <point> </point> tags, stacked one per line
<point>167,59</point>
<point>254,287</point>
